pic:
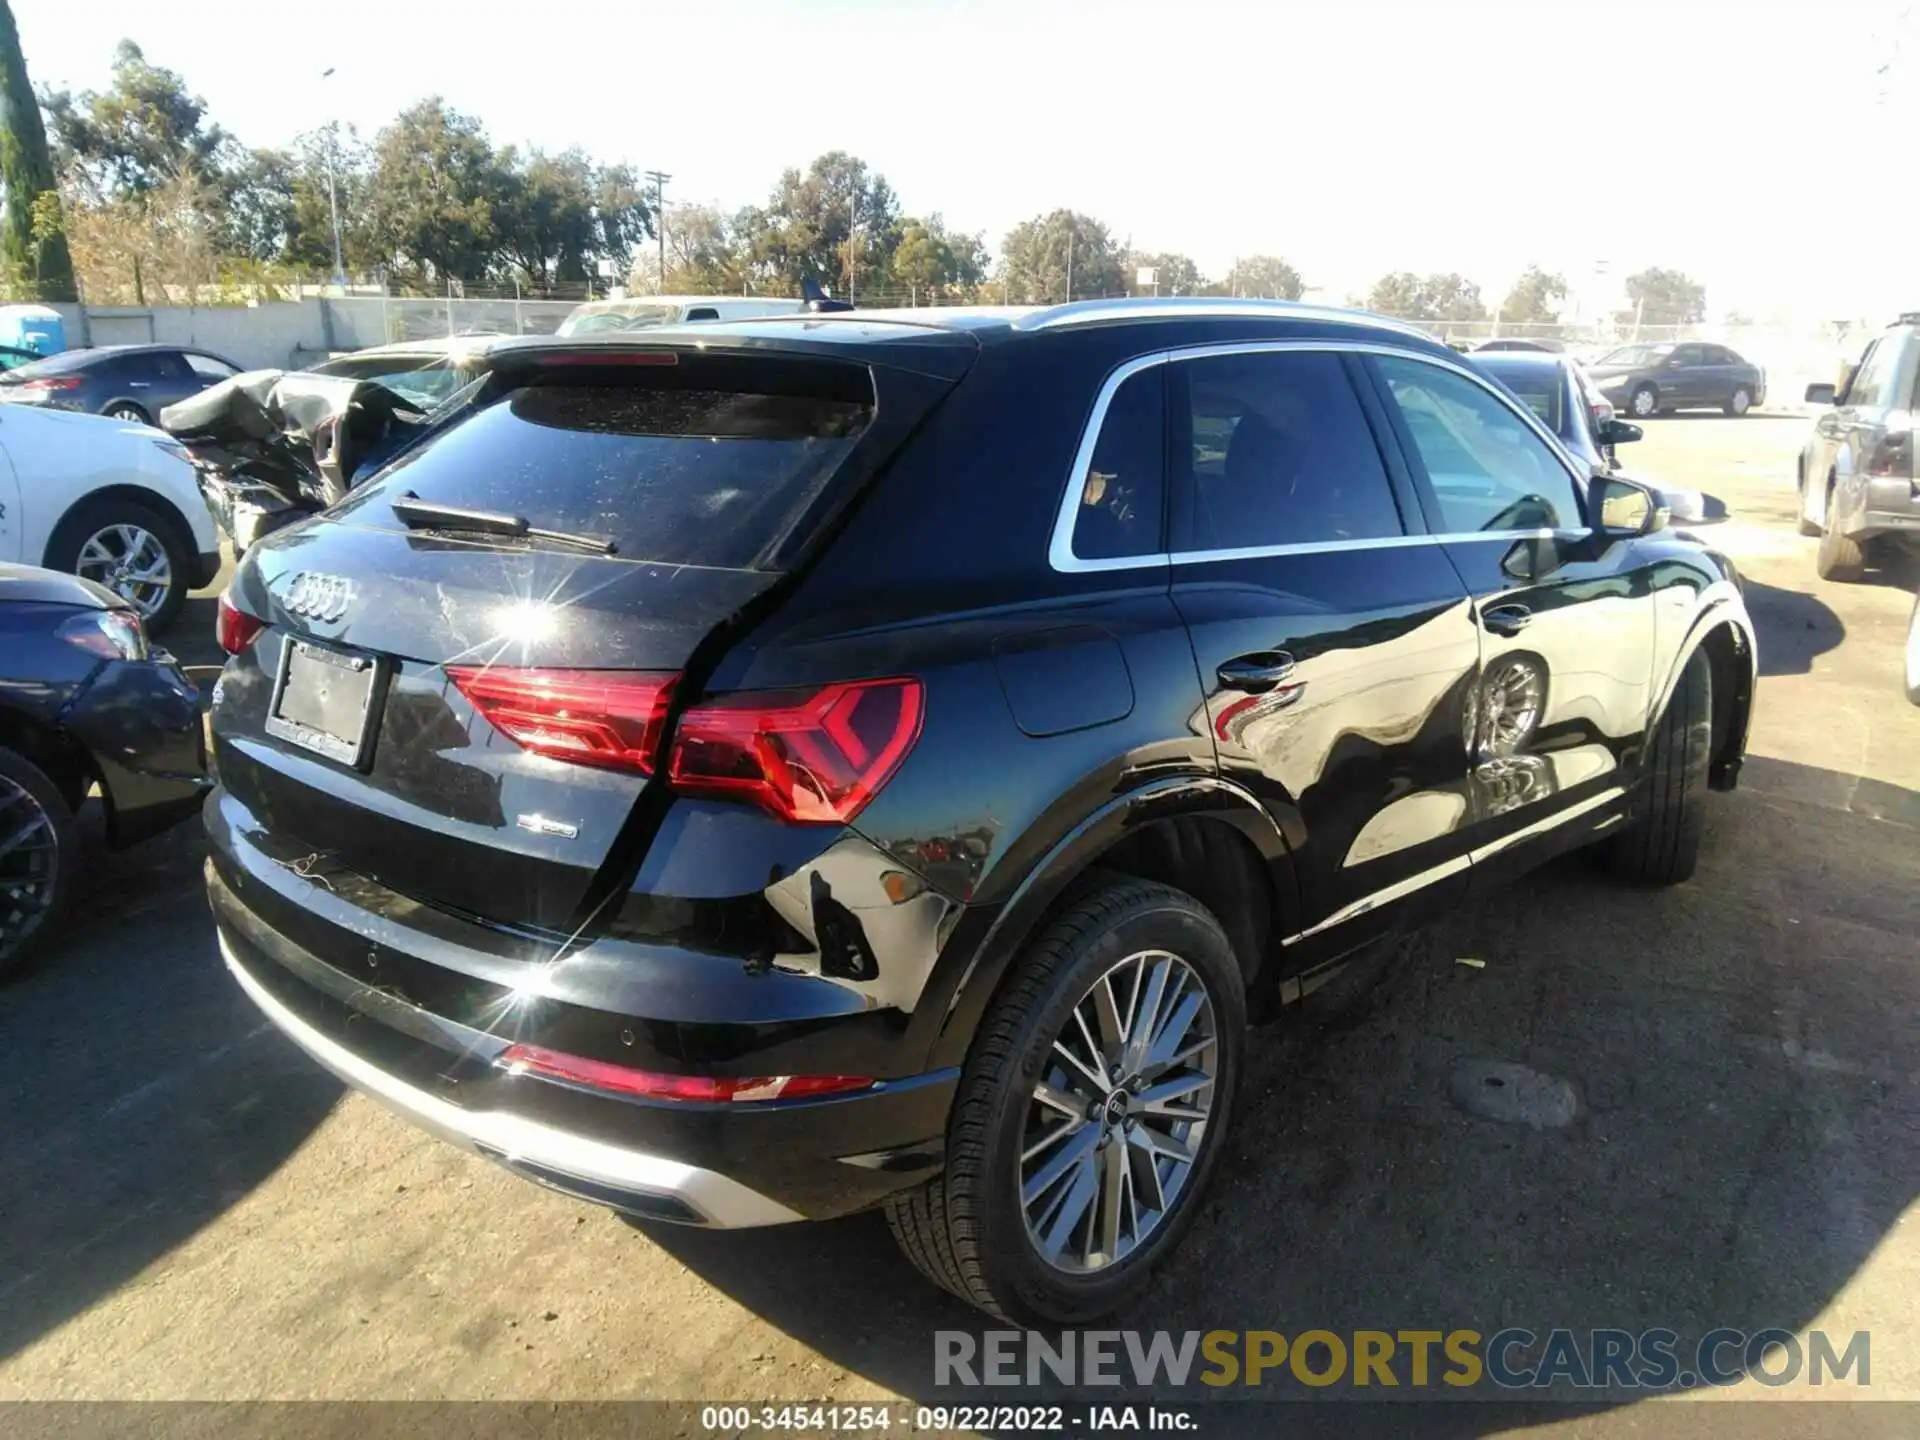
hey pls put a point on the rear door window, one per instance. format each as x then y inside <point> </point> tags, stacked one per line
<point>160,365</point>
<point>1276,451</point>
<point>210,369</point>
<point>682,468</point>
<point>1490,472</point>
<point>1122,494</point>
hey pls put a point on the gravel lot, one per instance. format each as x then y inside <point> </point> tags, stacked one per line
<point>193,1210</point>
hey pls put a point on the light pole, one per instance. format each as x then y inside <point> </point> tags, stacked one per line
<point>333,199</point>
<point>660,179</point>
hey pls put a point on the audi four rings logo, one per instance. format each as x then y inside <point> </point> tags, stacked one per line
<point>318,597</point>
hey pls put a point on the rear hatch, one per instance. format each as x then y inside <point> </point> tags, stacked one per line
<point>470,717</point>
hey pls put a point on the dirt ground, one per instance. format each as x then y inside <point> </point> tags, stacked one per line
<point>192,1210</point>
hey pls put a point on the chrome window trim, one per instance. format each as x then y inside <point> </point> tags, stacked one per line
<point>1060,548</point>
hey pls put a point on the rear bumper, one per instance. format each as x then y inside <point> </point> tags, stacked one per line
<point>615,1175</point>
<point>400,1014</point>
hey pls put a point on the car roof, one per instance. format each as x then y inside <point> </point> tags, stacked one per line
<point>87,354</point>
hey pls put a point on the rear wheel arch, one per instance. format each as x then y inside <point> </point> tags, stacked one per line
<point>1207,838</point>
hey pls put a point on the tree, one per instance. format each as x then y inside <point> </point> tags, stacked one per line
<point>1398,294</point>
<point>1534,299</point>
<point>1430,297</point>
<point>1263,277</point>
<point>702,257</point>
<point>1664,297</point>
<point>258,201</point>
<point>934,262</point>
<point>835,222</point>
<point>1059,256</point>
<point>1174,273</point>
<point>436,183</point>
<point>145,131</point>
<point>33,241</point>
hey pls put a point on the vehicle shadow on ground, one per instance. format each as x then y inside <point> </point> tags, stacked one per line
<point>141,1094</point>
<point>1742,1049</point>
<point>1792,627</point>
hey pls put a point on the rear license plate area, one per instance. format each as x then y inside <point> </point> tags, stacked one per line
<point>323,701</point>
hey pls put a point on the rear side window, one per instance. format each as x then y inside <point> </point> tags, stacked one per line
<point>1276,451</point>
<point>1122,495</point>
<point>1870,379</point>
<point>208,368</point>
<point>160,364</point>
<point>1488,470</point>
<point>673,469</point>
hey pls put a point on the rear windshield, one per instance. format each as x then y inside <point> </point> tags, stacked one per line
<point>65,363</point>
<point>1539,388</point>
<point>668,471</point>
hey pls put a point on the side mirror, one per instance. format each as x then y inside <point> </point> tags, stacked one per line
<point>1821,394</point>
<point>1627,508</point>
<point>1618,432</point>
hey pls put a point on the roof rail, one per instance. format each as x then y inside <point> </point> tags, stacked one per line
<point>1204,307</point>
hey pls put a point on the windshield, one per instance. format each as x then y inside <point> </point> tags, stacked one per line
<point>1637,355</point>
<point>424,380</point>
<point>638,317</point>
<point>680,473</point>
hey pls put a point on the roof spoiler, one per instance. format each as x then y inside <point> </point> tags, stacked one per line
<point>818,301</point>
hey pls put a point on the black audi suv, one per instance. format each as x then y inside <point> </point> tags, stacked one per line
<point>765,770</point>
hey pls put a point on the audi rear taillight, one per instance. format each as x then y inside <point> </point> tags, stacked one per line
<point>233,627</point>
<point>653,1085</point>
<point>51,382</point>
<point>812,756</point>
<point>609,718</point>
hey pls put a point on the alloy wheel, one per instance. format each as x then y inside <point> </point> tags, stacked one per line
<point>1643,403</point>
<point>130,561</point>
<point>1740,402</point>
<point>1117,1120</point>
<point>29,864</point>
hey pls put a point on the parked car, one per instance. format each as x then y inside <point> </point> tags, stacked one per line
<point>1856,474</point>
<point>1538,344</point>
<point>1647,380</point>
<point>644,312</point>
<point>84,701</point>
<point>762,773</point>
<point>127,382</point>
<point>425,372</point>
<point>1564,400</point>
<point>111,502</point>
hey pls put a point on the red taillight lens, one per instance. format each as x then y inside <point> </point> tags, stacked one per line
<point>651,1085</point>
<point>812,756</point>
<point>610,718</point>
<point>1893,456</point>
<point>233,627</point>
<point>52,382</point>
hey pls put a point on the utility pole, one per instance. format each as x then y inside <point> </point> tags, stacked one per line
<point>853,230</point>
<point>333,196</point>
<point>1069,262</point>
<point>660,179</point>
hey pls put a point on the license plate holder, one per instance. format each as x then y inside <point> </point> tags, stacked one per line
<point>324,700</point>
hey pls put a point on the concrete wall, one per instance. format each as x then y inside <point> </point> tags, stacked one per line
<point>287,335</point>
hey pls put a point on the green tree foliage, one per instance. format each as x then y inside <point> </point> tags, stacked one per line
<point>144,130</point>
<point>1039,255</point>
<point>835,222</point>
<point>33,241</point>
<point>1263,277</point>
<point>436,184</point>
<point>702,258</point>
<point>1534,299</point>
<point>1665,297</point>
<point>1174,274</point>
<point>558,215</point>
<point>1427,297</point>
<point>933,262</point>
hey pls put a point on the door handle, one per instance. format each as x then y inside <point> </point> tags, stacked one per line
<point>1506,620</point>
<point>1256,673</point>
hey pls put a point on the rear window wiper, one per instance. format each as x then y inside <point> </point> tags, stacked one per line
<point>418,514</point>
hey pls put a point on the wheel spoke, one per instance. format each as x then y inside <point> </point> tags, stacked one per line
<point>1055,1098</point>
<point>1063,1129</point>
<point>1111,1023</point>
<point>1102,1076</point>
<point>19,837</point>
<point>1176,1028</point>
<point>1063,1160</point>
<point>1147,1013</point>
<point>1156,1098</point>
<point>1113,1171</point>
<point>1075,1200</point>
<point>1146,1157</point>
<point>1096,1081</point>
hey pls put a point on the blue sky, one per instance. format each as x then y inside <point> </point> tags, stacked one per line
<point>1351,136</point>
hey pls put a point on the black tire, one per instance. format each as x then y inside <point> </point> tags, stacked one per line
<point>967,1230</point>
<point>94,516</point>
<point>128,411</point>
<point>1739,402</point>
<point>1838,558</point>
<point>28,798</point>
<point>1804,525</point>
<point>1644,402</point>
<point>1663,844</point>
